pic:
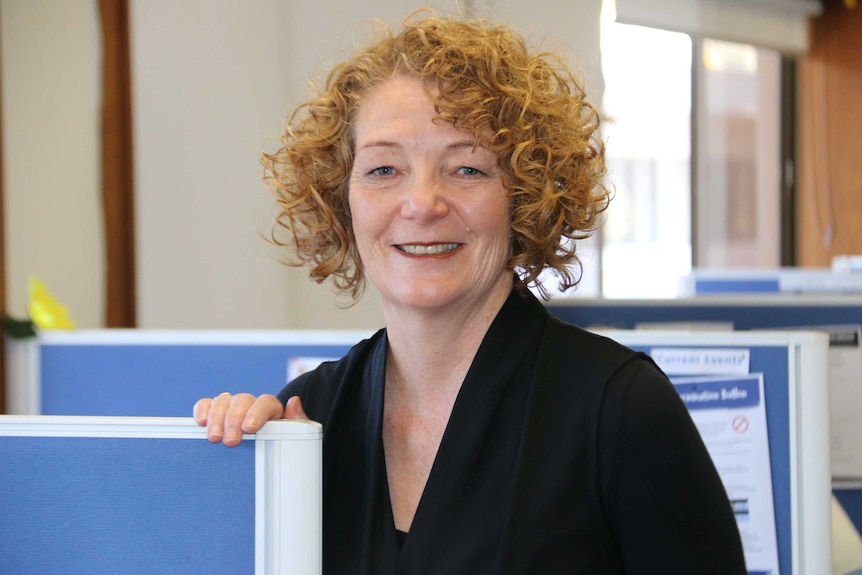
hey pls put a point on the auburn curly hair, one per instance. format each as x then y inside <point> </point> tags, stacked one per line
<point>483,79</point>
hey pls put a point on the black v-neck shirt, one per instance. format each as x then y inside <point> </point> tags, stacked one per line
<point>565,453</point>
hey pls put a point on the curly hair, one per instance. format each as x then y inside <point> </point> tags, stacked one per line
<point>483,79</point>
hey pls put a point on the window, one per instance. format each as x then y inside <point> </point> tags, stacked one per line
<point>693,132</point>
<point>738,138</point>
<point>645,244</point>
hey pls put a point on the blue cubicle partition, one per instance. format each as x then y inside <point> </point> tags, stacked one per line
<point>146,373</point>
<point>794,367</point>
<point>100,496</point>
<point>162,373</point>
<point>741,313</point>
<point>751,312</point>
<point>786,280</point>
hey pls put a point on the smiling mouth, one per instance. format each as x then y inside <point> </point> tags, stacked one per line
<point>427,250</point>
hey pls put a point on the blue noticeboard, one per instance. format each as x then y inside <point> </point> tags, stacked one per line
<point>796,406</point>
<point>148,496</point>
<point>743,313</point>
<point>773,363</point>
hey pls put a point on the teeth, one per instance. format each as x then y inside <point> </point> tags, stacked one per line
<point>427,250</point>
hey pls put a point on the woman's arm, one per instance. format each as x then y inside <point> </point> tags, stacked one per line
<point>665,498</point>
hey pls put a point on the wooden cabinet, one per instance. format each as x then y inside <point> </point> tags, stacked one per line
<point>829,145</point>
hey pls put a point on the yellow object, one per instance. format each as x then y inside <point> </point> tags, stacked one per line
<point>45,311</point>
<point>851,3</point>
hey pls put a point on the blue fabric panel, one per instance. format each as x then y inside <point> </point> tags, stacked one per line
<point>160,380</point>
<point>739,285</point>
<point>103,506</point>
<point>746,315</point>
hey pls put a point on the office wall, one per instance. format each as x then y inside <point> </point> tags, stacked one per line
<point>212,81</point>
<point>51,83</point>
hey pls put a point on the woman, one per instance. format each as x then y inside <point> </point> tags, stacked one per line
<point>475,433</point>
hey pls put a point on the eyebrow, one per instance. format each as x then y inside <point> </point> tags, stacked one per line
<point>451,146</point>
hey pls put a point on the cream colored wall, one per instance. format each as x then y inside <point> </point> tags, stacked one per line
<point>570,28</point>
<point>53,225</point>
<point>212,81</point>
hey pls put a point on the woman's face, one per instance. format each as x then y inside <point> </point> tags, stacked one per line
<point>429,211</point>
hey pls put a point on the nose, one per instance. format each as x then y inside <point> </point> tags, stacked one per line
<point>425,198</point>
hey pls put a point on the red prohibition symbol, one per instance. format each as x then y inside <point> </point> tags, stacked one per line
<point>740,424</point>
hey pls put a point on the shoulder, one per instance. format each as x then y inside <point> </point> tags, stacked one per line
<point>561,345</point>
<point>320,387</point>
<point>630,393</point>
<point>594,357</point>
<point>654,477</point>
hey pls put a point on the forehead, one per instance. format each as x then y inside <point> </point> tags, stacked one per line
<point>398,99</point>
<point>400,108</point>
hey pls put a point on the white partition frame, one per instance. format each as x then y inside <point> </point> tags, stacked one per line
<point>288,531</point>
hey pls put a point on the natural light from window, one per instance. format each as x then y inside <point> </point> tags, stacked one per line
<point>646,241</point>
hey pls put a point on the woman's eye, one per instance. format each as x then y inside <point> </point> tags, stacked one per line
<point>468,171</point>
<point>382,171</point>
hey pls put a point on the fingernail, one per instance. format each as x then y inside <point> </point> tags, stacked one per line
<point>215,431</point>
<point>251,421</point>
<point>231,434</point>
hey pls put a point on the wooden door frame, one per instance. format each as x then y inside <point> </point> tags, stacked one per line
<point>117,166</point>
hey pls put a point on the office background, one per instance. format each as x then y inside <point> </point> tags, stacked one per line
<point>210,83</point>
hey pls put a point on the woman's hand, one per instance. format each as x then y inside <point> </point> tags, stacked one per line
<point>227,416</point>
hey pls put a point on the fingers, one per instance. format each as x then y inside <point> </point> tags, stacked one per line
<point>293,409</point>
<point>219,426</point>
<point>265,408</point>
<point>201,410</point>
<point>227,416</point>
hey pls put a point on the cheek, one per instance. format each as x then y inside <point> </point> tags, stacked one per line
<point>357,209</point>
<point>366,222</point>
<point>495,215</point>
<point>503,214</point>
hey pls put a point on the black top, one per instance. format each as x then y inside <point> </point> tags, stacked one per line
<point>565,452</point>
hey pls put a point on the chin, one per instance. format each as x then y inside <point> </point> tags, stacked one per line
<point>425,297</point>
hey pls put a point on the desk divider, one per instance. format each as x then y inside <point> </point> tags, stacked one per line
<point>794,368</point>
<point>148,496</point>
<point>111,373</point>
<point>740,312</point>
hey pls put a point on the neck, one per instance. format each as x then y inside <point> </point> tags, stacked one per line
<point>431,352</point>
